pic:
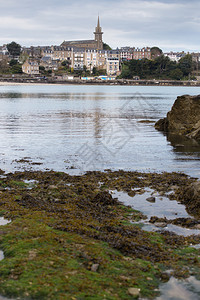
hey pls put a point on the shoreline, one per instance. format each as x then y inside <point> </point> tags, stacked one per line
<point>117,82</point>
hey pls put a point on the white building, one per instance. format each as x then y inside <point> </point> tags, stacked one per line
<point>175,56</point>
<point>112,66</point>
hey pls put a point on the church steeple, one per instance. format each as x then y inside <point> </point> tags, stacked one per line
<point>98,35</point>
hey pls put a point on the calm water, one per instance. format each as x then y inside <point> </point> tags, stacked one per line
<point>79,128</point>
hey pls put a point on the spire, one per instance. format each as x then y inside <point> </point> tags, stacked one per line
<point>98,23</point>
<point>98,35</point>
<point>98,28</point>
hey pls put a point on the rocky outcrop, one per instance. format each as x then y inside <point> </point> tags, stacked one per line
<point>184,118</point>
<point>190,197</point>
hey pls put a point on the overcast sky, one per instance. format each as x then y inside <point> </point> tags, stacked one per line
<point>170,25</point>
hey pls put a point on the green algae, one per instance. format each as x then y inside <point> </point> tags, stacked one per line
<point>65,225</point>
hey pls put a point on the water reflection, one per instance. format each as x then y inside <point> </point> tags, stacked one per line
<point>91,127</point>
<point>183,144</point>
<point>175,289</point>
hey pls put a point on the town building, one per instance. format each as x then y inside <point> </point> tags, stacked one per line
<point>49,64</point>
<point>112,66</point>
<point>30,67</point>
<point>128,53</point>
<point>96,43</point>
<point>175,56</point>
<point>139,54</point>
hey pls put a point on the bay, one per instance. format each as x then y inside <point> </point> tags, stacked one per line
<point>76,128</point>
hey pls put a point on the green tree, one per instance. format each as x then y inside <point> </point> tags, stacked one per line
<point>185,64</point>
<point>125,71</point>
<point>65,63</point>
<point>159,68</point>
<point>106,47</point>
<point>14,49</point>
<point>94,71</point>
<point>13,62</point>
<point>42,69</point>
<point>155,52</point>
<point>23,57</point>
<point>176,74</point>
<point>16,69</point>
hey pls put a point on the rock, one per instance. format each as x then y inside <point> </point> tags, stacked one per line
<point>183,119</point>
<point>104,198</point>
<point>160,224</point>
<point>53,187</point>
<point>125,278</point>
<point>134,292</point>
<point>94,267</point>
<point>162,125</point>
<point>190,197</point>
<point>32,254</point>
<point>174,187</point>
<point>151,199</point>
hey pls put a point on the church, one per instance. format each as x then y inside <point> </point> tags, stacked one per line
<point>97,43</point>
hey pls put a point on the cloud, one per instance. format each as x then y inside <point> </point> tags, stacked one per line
<point>168,24</point>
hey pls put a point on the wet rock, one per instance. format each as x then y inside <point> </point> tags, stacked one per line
<point>29,201</point>
<point>184,222</point>
<point>160,224</point>
<point>190,196</point>
<point>94,267</point>
<point>184,118</point>
<point>53,187</point>
<point>134,292</point>
<point>174,187</point>
<point>162,125</point>
<point>165,277</point>
<point>151,199</point>
<point>104,198</point>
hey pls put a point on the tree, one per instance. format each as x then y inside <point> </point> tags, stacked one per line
<point>23,57</point>
<point>106,47</point>
<point>176,74</point>
<point>65,63</point>
<point>14,49</point>
<point>155,52</point>
<point>4,67</point>
<point>185,64</point>
<point>94,71</point>
<point>13,62</point>
<point>16,69</point>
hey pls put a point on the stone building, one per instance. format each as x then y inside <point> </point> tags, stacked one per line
<point>31,67</point>
<point>97,43</point>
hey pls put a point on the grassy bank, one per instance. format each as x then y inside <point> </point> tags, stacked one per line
<point>70,239</point>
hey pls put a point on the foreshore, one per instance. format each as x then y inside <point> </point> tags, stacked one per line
<point>126,82</point>
<point>70,238</point>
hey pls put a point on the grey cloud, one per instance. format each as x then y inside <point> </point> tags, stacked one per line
<point>168,24</point>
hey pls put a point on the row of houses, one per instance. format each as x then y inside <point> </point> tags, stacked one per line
<point>80,58</point>
<point>176,56</point>
<point>51,58</point>
<point>75,58</point>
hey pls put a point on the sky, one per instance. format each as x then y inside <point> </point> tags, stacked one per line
<point>169,25</point>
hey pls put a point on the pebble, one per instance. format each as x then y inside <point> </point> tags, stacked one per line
<point>134,291</point>
<point>151,199</point>
<point>160,224</point>
<point>94,267</point>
